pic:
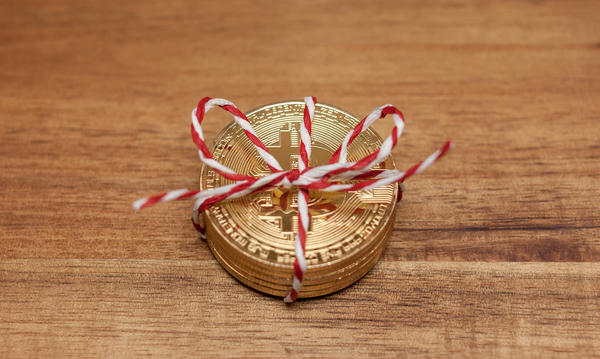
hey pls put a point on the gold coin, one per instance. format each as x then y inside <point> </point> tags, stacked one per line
<point>265,274</point>
<point>257,232</point>
<point>333,283</point>
<point>282,276</point>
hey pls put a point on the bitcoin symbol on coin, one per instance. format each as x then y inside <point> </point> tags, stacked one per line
<point>279,206</point>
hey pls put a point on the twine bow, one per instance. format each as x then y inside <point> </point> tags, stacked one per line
<point>327,177</point>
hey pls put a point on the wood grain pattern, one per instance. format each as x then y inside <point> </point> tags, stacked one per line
<point>101,308</point>
<point>94,108</point>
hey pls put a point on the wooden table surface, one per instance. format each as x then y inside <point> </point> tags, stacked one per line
<point>495,249</point>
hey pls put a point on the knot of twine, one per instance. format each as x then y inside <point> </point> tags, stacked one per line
<point>327,177</point>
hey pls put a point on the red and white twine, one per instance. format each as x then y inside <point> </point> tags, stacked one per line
<point>323,178</point>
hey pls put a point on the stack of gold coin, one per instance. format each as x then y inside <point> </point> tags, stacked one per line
<point>253,236</point>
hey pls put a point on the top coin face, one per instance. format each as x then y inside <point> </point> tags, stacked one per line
<point>260,228</point>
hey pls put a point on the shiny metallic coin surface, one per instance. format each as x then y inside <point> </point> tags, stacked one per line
<point>254,236</point>
<point>284,279</point>
<point>333,283</point>
<point>277,275</point>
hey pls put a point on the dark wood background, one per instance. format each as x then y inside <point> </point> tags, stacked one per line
<point>495,249</point>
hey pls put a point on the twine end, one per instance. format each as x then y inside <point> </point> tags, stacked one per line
<point>137,205</point>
